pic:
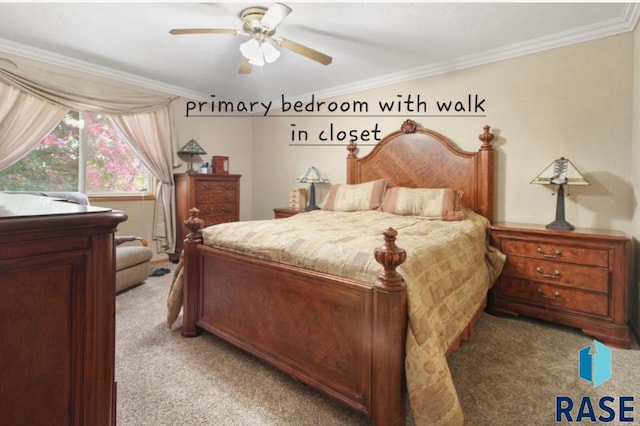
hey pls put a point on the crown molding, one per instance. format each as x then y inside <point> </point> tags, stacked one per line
<point>63,61</point>
<point>624,23</point>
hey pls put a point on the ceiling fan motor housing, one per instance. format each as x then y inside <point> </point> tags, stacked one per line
<point>252,23</point>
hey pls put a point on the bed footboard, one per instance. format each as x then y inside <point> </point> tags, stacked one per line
<point>343,337</point>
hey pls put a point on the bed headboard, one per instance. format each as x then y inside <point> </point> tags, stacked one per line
<point>421,158</point>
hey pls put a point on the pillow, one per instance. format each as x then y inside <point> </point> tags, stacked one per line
<point>432,203</point>
<point>360,196</point>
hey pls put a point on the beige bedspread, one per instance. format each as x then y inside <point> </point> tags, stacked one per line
<point>448,270</point>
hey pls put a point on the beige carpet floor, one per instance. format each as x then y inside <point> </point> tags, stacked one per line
<point>508,373</point>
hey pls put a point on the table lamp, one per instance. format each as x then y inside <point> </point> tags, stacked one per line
<point>560,172</point>
<point>312,176</point>
<point>191,148</point>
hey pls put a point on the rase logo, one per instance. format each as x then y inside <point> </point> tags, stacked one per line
<point>595,368</point>
<point>595,363</point>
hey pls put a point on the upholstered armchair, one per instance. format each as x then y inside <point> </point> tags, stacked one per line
<point>132,261</point>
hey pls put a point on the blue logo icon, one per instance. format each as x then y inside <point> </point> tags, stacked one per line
<point>595,363</point>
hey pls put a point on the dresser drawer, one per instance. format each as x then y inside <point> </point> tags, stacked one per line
<point>209,192</point>
<point>585,277</point>
<point>218,213</point>
<point>557,252</point>
<point>551,295</point>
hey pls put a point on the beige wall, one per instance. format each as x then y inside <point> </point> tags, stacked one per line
<point>573,102</point>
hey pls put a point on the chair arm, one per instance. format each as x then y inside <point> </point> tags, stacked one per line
<point>126,238</point>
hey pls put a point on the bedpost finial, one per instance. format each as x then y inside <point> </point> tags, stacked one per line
<point>194,224</point>
<point>486,137</point>
<point>409,126</point>
<point>390,257</point>
<point>352,149</point>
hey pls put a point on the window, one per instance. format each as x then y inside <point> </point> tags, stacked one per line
<point>83,153</point>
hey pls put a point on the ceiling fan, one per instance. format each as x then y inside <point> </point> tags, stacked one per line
<point>259,24</point>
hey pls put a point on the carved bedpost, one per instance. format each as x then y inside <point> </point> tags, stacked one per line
<point>389,330</point>
<point>485,159</point>
<point>351,163</point>
<point>191,273</point>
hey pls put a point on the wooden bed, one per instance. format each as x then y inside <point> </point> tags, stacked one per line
<point>357,358</point>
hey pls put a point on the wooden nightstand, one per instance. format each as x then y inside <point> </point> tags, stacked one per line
<point>577,278</point>
<point>282,212</point>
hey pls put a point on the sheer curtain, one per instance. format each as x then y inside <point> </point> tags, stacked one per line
<point>147,129</point>
<point>38,97</point>
<point>24,121</point>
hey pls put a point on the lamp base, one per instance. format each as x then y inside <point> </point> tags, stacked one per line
<point>190,167</point>
<point>560,225</point>
<point>312,199</point>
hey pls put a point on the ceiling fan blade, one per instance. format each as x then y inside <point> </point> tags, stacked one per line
<point>305,51</point>
<point>179,31</point>
<point>245,67</point>
<point>274,15</point>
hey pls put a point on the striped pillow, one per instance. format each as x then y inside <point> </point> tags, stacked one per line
<point>356,197</point>
<point>431,203</point>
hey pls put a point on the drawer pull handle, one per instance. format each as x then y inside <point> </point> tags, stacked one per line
<point>226,210</point>
<point>208,186</point>
<point>555,296</point>
<point>553,276</point>
<point>555,255</point>
<point>227,186</point>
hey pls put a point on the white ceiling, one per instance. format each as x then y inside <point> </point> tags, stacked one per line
<point>372,44</point>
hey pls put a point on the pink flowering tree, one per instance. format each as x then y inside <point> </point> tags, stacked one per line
<point>54,165</point>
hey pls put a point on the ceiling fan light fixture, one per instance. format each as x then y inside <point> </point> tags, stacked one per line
<point>250,49</point>
<point>270,52</point>
<point>258,61</point>
<point>258,53</point>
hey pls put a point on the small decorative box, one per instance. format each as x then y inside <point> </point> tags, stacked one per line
<point>219,165</point>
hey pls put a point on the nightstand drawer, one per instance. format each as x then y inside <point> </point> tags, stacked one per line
<point>585,277</point>
<point>552,295</point>
<point>557,252</point>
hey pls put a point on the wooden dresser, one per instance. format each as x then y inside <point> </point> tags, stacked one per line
<point>57,312</point>
<point>217,196</point>
<point>578,278</point>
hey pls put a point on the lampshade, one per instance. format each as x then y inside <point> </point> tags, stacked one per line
<point>312,176</point>
<point>560,172</point>
<point>259,52</point>
<point>192,148</point>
